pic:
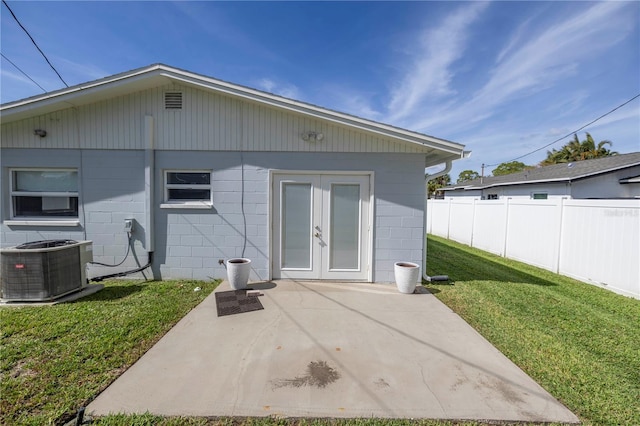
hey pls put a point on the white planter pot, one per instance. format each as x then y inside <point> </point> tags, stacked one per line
<point>238,272</point>
<point>407,275</point>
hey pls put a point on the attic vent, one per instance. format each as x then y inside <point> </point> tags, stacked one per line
<point>173,100</point>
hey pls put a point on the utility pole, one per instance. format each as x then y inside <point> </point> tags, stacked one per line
<point>482,174</point>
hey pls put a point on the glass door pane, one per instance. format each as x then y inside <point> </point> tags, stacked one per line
<point>344,245</point>
<point>296,225</point>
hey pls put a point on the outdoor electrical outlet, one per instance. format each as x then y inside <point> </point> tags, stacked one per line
<point>220,261</point>
<point>128,225</point>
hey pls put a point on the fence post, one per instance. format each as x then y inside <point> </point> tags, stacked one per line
<point>473,220</point>
<point>448,217</point>
<point>560,235</point>
<point>506,227</point>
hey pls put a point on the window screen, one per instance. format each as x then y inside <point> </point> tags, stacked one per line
<point>44,193</point>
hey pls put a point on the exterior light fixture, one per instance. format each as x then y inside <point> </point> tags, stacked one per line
<point>40,132</point>
<point>312,136</point>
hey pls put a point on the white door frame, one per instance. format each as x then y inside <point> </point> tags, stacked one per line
<point>271,216</point>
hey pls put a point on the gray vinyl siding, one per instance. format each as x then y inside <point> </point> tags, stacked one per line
<point>607,185</point>
<point>189,242</point>
<point>207,122</point>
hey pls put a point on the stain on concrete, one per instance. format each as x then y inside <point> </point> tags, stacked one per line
<point>461,379</point>
<point>319,374</point>
<point>381,383</point>
<point>506,391</point>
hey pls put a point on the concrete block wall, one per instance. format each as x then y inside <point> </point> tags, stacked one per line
<point>399,195</point>
<point>398,192</point>
<point>111,188</point>
<point>12,235</point>
<point>189,242</point>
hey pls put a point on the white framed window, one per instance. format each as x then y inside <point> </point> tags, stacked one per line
<point>539,196</point>
<point>187,189</point>
<point>43,194</point>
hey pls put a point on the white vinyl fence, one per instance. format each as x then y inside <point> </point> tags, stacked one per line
<point>595,241</point>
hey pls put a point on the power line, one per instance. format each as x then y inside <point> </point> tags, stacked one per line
<point>570,133</point>
<point>35,44</point>
<point>24,73</point>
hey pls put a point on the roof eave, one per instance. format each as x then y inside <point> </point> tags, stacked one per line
<point>158,74</point>
<point>314,111</point>
<point>81,94</point>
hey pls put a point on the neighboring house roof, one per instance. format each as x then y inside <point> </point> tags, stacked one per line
<point>565,172</point>
<point>440,150</point>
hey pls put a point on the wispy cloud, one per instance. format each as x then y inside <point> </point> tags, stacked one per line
<point>555,53</point>
<point>75,72</point>
<point>14,76</point>
<point>19,82</point>
<point>429,74</point>
<point>515,39</point>
<point>283,89</point>
<point>211,19</point>
<point>358,105</point>
<point>631,114</point>
<point>346,98</point>
<point>539,63</point>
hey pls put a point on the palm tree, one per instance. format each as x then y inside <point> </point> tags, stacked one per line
<point>574,150</point>
<point>589,150</point>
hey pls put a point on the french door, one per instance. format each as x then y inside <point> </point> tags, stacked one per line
<point>321,226</point>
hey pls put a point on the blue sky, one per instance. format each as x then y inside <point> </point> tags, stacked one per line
<point>503,78</point>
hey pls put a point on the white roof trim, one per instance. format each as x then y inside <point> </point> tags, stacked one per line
<point>158,74</point>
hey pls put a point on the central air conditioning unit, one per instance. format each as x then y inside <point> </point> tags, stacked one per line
<point>43,271</point>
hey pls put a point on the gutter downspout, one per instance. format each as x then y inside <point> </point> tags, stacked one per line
<point>149,177</point>
<point>427,178</point>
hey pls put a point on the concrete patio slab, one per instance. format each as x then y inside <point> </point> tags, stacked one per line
<point>326,349</point>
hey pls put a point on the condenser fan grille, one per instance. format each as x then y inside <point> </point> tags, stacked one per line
<point>42,274</point>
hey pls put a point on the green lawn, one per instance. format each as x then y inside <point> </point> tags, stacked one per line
<point>580,342</point>
<point>54,359</point>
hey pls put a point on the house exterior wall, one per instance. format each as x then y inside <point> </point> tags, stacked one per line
<point>111,143</point>
<point>470,194</point>
<point>526,191</point>
<point>189,242</point>
<point>208,121</point>
<point>553,190</point>
<point>111,190</point>
<point>607,185</point>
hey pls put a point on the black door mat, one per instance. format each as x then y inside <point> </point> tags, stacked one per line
<point>236,302</point>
